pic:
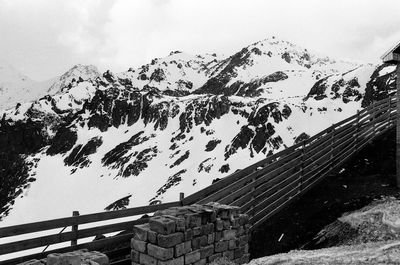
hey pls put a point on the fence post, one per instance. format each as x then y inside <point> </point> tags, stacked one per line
<point>373,119</point>
<point>357,130</point>
<point>332,144</point>
<point>74,241</point>
<point>302,165</point>
<point>181,197</point>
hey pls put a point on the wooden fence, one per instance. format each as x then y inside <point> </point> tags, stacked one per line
<point>267,186</point>
<point>261,189</point>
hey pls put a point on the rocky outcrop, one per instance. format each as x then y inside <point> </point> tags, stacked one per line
<point>79,156</point>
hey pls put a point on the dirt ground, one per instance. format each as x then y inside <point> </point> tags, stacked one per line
<point>367,176</point>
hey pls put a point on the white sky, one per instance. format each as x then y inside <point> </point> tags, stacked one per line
<point>44,38</point>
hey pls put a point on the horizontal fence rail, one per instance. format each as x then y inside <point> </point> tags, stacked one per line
<point>260,190</point>
<point>74,235</point>
<point>267,186</point>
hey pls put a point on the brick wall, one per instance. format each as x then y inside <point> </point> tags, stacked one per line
<point>196,234</point>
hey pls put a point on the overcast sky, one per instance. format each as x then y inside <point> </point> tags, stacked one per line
<point>44,38</point>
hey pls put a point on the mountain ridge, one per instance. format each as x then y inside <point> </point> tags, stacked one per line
<point>172,125</point>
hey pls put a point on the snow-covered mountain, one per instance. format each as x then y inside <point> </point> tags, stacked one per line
<point>17,88</point>
<point>173,125</point>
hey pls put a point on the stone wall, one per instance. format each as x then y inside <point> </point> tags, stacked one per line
<point>196,234</point>
<point>79,257</point>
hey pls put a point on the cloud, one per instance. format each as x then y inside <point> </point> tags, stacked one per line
<point>46,37</point>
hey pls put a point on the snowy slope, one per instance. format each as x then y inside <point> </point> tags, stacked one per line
<point>171,126</point>
<point>16,88</point>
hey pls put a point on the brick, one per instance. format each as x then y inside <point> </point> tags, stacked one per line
<point>214,257</point>
<point>243,240</point>
<point>188,235</point>
<point>227,224</point>
<point>233,244</point>
<point>192,257</point>
<point>179,222</point>
<point>235,222</point>
<point>183,248</point>
<point>135,256</point>
<point>245,249</point>
<point>70,258</point>
<point>160,252</point>
<point>100,259</point>
<point>167,241</point>
<point>139,245</point>
<point>243,219</point>
<point>210,238</point>
<point>206,251</point>
<point>152,237</point>
<point>238,253</point>
<point>204,218</point>
<point>229,254</point>
<point>217,236</point>
<point>221,246</point>
<point>176,261</point>
<point>223,213</point>
<point>245,258</point>
<point>228,234</point>
<point>140,232</point>
<point>162,225</point>
<point>147,260</point>
<point>199,242</point>
<point>196,231</point>
<point>219,225</point>
<point>201,262</point>
<point>208,228</point>
<point>193,220</point>
<point>53,258</point>
<point>240,231</point>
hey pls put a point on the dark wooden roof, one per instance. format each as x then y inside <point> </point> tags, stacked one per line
<point>392,55</point>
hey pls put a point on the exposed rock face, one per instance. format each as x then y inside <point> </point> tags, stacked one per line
<point>379,86</point>
<point>79,156</point>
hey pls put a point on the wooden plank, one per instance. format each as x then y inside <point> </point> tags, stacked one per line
<point>82,219</point>
<point>271,197</point>
<point>321,134</point>
<point>316,163</point>
<point>263,192</point>
<point>284,201</point>
<point>273,202</point>
<point>350,119</point>
<point>94,245</point>
<point>345,134</point>
<point>268,175</point>
<point>317,144</point>
<point>122,262</point>
<point>349,141</point>
<point>67,236</point>
<point>239,183</point>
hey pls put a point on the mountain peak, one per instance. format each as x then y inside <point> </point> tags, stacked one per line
<point>75,73</point>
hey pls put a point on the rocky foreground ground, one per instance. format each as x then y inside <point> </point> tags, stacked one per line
<point>370,235</point>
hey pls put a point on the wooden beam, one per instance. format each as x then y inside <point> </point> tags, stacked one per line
<point>398,127</point>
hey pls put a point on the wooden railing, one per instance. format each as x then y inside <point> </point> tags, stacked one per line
<point>261,189</point>
<point>267,186</point>
<point>75,234</point>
